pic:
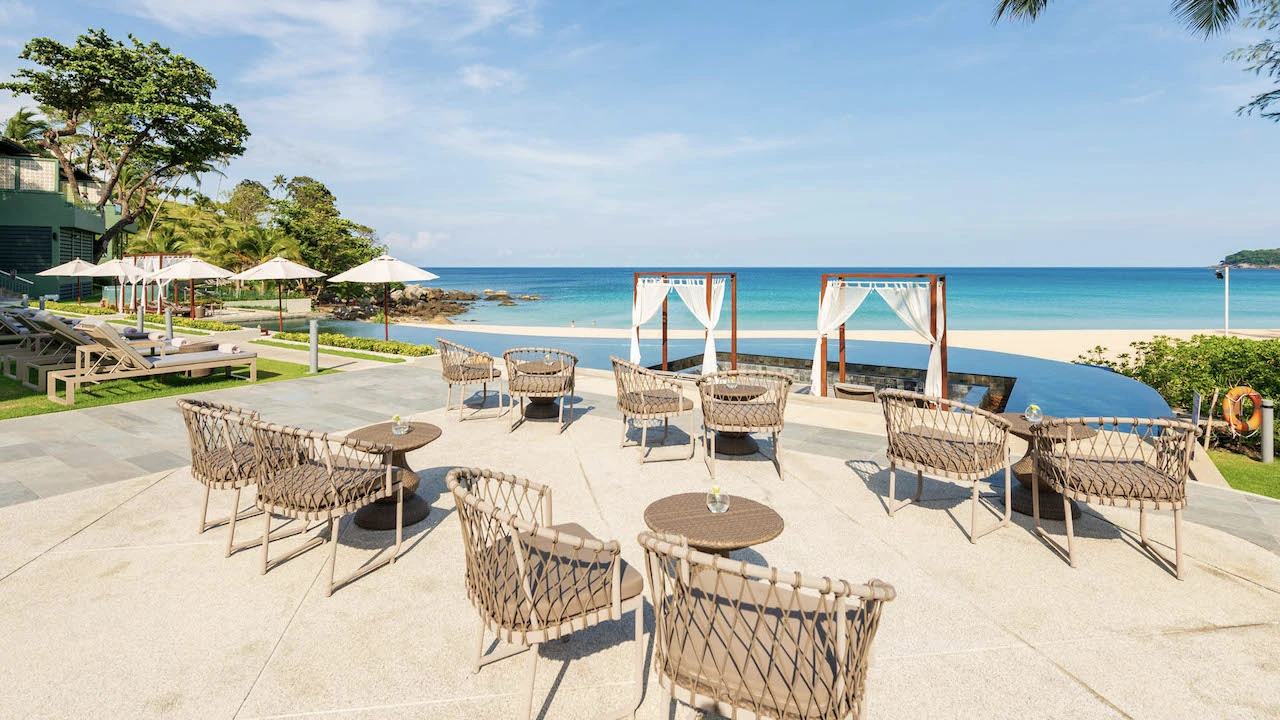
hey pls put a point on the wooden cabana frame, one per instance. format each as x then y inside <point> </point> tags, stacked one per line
<point>173,289</point>
<point>937,290</point>
<point>710,276</point>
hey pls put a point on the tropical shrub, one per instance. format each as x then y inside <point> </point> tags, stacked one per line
<point>210,325</point>
<point>74,308</point>
<point>390,347</point>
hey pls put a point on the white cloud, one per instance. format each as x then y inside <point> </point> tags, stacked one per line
<point>487,77</point>
<point>13,12</point>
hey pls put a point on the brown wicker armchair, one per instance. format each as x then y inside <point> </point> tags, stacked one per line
<point>746,641</point>
<point>1134,462</point>
<point>743,401</point>
<point>463,367</point>
<point>307,475</point>
<point>532,581</point>
<point>945,439</point>
<point>645,396</point>
<point>542,375</point>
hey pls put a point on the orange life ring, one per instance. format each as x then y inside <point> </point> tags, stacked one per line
<point>1232,403</point>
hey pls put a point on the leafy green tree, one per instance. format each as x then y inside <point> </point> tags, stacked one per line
<point>330,243</point>
<point>1263,58</point>
<point>26,128</point>
<point>249,203</point>
<point>136,115</point>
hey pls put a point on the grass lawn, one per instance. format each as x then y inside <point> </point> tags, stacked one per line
<point>326,350</point>
<point>18,401</point>
<point>1245,473</point>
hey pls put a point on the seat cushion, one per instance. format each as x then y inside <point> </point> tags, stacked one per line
<point>179,359</point>
<point>754,646</point>
<point>222,466</point>
<point>465,373</point>
<point>552,385</point>
<point>309,487</point>
<point>654,402</point>
<point>944,451</point>
<point>741,414</point>
<point>1110,478</point>
<point>564,582</point>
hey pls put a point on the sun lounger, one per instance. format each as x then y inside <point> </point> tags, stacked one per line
<point>115,358</point>
<point>55,350</point>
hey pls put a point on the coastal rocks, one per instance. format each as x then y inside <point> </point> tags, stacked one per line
<point>418,303</point>
<point>507,302</point>
<point>529,297</point>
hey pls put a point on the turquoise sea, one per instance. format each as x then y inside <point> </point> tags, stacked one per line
<point>977,298</point>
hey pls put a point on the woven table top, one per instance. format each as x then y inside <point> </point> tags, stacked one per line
<point>419,434</point>
<point>746,523</point>
<point>1021,427</point>
<point>542,367</point>
<point>741,393</point>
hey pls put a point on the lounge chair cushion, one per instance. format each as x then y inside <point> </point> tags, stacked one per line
<point>178,359</point>
<point>741,414</point>
<point>564,582</point>
<point>944,451</point>
<point>309,487</point>
<point>655,402</point>
<point>746,643</point>
<point>547,385</point>
<point>1111,478</point>
<point>466,373</point>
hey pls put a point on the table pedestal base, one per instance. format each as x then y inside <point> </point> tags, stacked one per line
<point>1050,504</point>
<point>542,409</point>
<point>381,515</point>
<point>736,443</point>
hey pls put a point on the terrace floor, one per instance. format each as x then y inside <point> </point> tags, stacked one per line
<point>116,607</point>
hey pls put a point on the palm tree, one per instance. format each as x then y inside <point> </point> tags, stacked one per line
<point>26,129</point>
<point>1205,17</point>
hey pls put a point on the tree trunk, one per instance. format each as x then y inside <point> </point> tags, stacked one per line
<point>118,229</point>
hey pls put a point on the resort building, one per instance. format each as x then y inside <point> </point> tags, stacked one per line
<point>42,224</point>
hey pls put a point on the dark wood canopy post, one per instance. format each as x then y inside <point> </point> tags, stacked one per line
<point>937,287</point>
<point>710,276</point>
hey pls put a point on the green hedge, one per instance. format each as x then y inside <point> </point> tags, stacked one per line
<point>210,325</point>
<point>390,347</point>
<point>74,308</point>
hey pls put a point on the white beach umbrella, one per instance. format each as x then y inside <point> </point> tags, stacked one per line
<point>191,269</point>
<point>384,269</point>
<point>122,271</point>
<point>277,268</point>
<point>75,268</point>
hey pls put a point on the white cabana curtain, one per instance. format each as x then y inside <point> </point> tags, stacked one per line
<point>694,294</point>
<point>650,292</point>
<point>839,302</point>
<point>910,302</point>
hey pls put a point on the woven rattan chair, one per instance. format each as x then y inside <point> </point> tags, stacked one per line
<point>743,401</point>
<point>532,581</point>
<point>307,476</point>
<point>463,367</point>
<point>746,641</point>
<point>1134,462</point>
<point>222,458</point>
<point>645,396</point>
<point>559,384</point>
<point>945,439</point>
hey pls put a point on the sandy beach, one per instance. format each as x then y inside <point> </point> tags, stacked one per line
<point>1065,345</point>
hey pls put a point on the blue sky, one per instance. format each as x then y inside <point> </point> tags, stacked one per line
<point>515,132</point>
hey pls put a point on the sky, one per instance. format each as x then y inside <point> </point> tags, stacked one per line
<point>610,133</point>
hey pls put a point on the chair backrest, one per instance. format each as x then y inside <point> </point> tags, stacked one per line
<point>518,356</point>
<point>280,447</point>
<point>11,326</point>
<point>522,576</point>
<point>632,379</point>
<point>52,324</point>
<point>453,355</point>
<point>908,416</point>
<point>757,640</point>
<point>115,344</point>
<point>1117,458</point>
<point>721,391</point>
<point>221,441</point>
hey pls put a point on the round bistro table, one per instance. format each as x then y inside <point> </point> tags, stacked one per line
<point>746,522</point>
<point>381,515</point>
<point>1024,469</point>
<point>736,443</point>
<point>542,408</point>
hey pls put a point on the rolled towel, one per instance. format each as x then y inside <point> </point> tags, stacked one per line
<point>157,336</point>
<point>229,348</point>
<point>179,342</point>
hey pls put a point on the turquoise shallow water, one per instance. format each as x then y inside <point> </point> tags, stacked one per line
<point>977,298</point>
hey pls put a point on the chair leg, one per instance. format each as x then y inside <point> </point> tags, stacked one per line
<point>475,663</point>
<point>692,436</point>
<point>1177,543</point>
<point>638,695</point>
<point>644,439</point>
<point>711,451</point>
<point>625,422</point>
<point>666,428</point>
<point>973,516</point>
<point>231,533</point>
<point>1142,525</point>
<point>266,539</point>
<point>777,455</point>
<point>204,511</point>
<point>334,529</point>
<point>895,504</point>
<point>1071,540</point>
<point>527,701</point>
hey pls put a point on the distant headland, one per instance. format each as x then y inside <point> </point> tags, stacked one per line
<point>1253,259</point>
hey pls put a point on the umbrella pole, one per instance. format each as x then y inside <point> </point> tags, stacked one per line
<point>279,305</point>
<point>191,295</point>
<point>386,312</point>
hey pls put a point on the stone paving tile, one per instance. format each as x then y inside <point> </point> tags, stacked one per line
<point>13,492</point>
<point>159,460</point>
<point>45,476</point>
<point>21,451</point>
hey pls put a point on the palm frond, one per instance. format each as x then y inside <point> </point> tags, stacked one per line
<point>1027,10</point>
<point>1207,17</point>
